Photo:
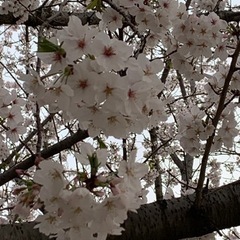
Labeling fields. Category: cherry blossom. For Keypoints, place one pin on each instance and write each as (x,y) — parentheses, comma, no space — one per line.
(83,82)
(59,94)
(15,131)
(55,57)
(112,19)
(87,151)
(147,65)
(111,53)
(14,115)
(77,39)
(50,175)
(48,223)
(132,170)
(32,83)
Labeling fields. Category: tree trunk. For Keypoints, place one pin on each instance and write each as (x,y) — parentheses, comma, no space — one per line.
(164,220)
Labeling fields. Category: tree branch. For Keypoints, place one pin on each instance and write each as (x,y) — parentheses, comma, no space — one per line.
(25,141)
(155,158)
(67,143)
(167,219)
(215,121)
(229,16)
(39,17)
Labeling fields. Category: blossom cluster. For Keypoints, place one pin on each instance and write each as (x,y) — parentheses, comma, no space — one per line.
(209,5)
(191,35)
(196,37)
(87,211)
(19,9)
(11,116)
(192,130)
(99,82)
(107,86)
(227,129)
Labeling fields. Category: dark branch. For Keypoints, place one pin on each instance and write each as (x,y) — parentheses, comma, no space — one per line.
(229,16)
(39,17)
(166,219)
(67,143)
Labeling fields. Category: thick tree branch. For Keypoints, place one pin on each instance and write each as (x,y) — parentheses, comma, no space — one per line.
(67,143)
(164,220)
(177,161)
(39,17)
(229,16)
(176,218)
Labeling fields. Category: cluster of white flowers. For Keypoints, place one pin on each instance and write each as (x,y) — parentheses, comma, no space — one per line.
(98,80)
(209,5)
(11,116)
(19,8)
(103,85)
(77,212)
(214,173)
(92,89)
(196,37)
(190,35)
(228,131)
(192,130)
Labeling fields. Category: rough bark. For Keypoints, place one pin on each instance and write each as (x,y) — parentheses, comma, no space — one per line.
(164,220)
(44,16)
(177,218)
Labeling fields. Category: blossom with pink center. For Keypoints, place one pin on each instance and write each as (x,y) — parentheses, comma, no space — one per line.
(132,171)
(59,95)
(111,53)
(15,131)
(112,19)
(50,176)
(56,58)
(76,39)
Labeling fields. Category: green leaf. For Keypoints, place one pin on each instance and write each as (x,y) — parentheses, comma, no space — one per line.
(101,143)
(93,160)
(91,57)
(68,70)
(95,4)
(28,183)
(45,45)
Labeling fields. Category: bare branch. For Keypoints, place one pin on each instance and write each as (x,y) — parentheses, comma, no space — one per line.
(67,143)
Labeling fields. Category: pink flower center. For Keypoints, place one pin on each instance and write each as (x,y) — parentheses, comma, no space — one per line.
(83,84)
(131,94)
(108,52)
(81,44)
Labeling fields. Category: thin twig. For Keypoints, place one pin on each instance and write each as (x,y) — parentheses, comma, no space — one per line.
(157,149)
